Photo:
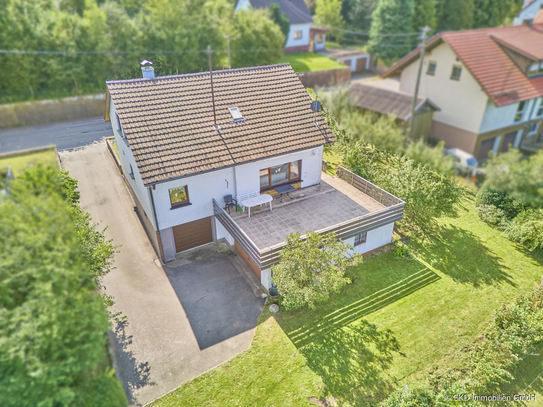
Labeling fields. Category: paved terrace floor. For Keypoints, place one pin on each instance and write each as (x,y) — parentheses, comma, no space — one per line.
(333,201)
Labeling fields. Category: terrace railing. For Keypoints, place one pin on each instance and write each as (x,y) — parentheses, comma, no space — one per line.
(269,256)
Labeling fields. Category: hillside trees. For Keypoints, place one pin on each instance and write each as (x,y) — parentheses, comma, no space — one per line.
(392,29)
(280,19)
(328,14)
(454,14)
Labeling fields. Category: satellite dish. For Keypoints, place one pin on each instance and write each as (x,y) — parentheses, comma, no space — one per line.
(145,62)
(316,106)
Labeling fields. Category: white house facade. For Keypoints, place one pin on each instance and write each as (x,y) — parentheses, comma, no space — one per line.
(189,147)
(300,37)
(488,84)
(528,12)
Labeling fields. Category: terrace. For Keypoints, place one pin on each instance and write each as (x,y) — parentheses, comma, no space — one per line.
(346,204)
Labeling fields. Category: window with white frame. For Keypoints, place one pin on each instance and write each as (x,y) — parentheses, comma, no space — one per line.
(120,128)
(520,111)
(297,35)
(533,128)
(131,171)
(540,108)
(432,65)
(456,72)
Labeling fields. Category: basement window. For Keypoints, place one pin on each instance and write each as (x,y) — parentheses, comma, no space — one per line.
(236,114)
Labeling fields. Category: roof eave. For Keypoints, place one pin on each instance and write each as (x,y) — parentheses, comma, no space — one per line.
(150,184)
(411,57)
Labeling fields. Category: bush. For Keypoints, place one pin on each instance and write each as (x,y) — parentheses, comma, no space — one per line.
(415,397)
(401,251)
(510,207)
(527,229)
(101,390)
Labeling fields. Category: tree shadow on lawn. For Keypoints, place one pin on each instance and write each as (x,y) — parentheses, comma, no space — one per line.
(351,354)
(464,257)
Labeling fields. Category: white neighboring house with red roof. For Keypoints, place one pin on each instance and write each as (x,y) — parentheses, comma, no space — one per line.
(488,84)
(528,12)
(301,33)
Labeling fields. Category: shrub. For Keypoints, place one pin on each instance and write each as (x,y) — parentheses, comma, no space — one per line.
(411,397)
(527,229)
(509,206)
(401,251)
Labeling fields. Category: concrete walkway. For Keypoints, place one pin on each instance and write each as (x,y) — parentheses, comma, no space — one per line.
(155,348)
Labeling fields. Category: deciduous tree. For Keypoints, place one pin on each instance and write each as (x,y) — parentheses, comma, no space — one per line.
(493,13)
(312,268)
(280,19)
(328,14)
(454,14)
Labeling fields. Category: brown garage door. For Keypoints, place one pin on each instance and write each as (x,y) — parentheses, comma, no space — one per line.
(239,250)
(485,148)
(508,139)
(192,234)
(361,64)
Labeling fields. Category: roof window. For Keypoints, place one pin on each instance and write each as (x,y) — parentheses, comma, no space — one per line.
(234,111)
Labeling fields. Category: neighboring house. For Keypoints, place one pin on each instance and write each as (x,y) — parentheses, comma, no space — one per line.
(184,148)
(370,96)
(529,12)
(488,84)
(301,34)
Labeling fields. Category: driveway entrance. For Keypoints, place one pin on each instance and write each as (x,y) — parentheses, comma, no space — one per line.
(166,338)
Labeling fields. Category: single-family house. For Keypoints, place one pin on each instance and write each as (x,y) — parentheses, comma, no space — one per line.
(488,84)
(369,96)
(197,149)
(529,12)
(302,37)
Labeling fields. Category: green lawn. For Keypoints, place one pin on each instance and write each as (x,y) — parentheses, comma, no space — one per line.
(271,373)
(309,61)
(397,321)
(18,162)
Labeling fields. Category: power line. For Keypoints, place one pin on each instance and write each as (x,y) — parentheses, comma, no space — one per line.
(368,34)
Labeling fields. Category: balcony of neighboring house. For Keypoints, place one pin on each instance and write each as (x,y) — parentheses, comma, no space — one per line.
(346,204)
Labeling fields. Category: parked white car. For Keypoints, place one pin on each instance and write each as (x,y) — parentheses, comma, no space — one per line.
(464,163)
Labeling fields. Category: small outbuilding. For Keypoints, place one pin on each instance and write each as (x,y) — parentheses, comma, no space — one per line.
(381,100)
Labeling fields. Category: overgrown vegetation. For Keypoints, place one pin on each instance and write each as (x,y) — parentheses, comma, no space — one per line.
(311,269)
(53,322)
(514,333)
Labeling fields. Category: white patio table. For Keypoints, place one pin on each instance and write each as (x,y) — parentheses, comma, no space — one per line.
(257,200)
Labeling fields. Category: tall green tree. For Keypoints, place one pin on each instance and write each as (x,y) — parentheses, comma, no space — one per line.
(280,19)
(255,31)
(53,323)
(328,14)
(493,13)
(454,14)
(392,17)
(357,14)
(425,14)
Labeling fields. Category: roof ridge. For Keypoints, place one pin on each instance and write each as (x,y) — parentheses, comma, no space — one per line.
(192,74)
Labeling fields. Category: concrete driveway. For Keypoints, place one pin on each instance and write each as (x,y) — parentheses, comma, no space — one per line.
(164,341)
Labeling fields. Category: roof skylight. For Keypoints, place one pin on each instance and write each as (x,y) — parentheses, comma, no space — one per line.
(234,111)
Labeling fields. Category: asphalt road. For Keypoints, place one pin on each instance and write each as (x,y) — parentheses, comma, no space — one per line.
(65,135)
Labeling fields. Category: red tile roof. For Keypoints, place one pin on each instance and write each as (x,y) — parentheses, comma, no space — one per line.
(498,75)
(168,121)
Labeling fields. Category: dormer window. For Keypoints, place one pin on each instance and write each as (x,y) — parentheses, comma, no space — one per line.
(534,68)
(236,114)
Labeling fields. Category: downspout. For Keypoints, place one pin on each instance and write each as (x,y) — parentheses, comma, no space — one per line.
(527,123)
(155,217)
